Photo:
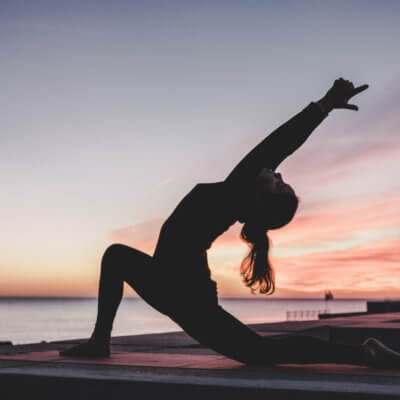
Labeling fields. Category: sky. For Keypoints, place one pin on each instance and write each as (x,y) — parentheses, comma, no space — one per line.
(110,112)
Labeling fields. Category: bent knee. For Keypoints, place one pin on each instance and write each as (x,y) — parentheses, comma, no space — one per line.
(120,252)
(114,251)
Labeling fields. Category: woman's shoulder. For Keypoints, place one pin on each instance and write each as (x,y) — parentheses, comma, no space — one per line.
(222,188)
(222,185)
(221,192)
(209,184)
(212,189)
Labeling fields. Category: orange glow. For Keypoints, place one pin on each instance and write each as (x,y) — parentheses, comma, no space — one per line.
(348,247)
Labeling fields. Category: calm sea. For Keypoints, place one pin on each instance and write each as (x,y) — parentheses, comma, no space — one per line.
(35,320)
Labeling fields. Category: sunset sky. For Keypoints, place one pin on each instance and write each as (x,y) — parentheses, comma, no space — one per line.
(110,112)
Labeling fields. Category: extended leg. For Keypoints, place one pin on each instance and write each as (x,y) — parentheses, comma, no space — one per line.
(219,330)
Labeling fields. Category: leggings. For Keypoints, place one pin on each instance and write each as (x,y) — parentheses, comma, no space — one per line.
(206,322)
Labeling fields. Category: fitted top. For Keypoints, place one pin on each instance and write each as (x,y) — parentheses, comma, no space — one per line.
(204,213)
(209,209)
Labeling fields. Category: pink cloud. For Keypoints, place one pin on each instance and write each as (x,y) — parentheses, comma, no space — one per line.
(341,220)
(373,269)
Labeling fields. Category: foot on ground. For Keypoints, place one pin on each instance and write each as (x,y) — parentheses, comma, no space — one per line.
(381,356)
(88,349)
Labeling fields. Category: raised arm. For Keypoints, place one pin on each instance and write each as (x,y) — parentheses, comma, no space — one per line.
(279,144)
(291,135)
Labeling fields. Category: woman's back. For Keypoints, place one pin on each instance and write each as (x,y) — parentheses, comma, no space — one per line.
(204,213)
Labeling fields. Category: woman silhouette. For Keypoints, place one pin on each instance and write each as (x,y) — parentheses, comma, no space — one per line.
(176,280)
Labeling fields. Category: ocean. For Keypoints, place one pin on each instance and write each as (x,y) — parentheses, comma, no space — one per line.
(32,320)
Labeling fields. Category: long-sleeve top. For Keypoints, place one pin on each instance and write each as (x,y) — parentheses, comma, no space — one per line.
(209,209)
(278,145)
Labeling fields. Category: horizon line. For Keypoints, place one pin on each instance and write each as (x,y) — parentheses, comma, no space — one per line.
(221,297)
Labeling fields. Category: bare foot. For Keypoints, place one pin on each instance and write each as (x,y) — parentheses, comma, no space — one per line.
(88,349)
(381,356)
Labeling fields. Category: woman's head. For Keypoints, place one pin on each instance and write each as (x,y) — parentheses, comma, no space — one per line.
(270,204)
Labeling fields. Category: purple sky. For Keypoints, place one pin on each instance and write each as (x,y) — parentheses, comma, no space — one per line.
(112,111)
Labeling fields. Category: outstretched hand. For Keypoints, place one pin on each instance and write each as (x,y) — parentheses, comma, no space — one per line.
(339,95)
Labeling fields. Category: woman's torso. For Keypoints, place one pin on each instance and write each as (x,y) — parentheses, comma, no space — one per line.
(204,213)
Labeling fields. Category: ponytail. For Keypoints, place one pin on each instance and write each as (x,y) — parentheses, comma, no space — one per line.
(256,270)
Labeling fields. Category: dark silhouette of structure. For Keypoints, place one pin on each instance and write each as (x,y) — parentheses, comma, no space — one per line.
(328,295)
(176,279)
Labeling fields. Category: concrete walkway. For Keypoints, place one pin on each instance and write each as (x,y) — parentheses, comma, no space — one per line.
(173,365)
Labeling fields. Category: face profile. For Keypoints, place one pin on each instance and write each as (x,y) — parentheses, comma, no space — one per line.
(271,182)
(272,203)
